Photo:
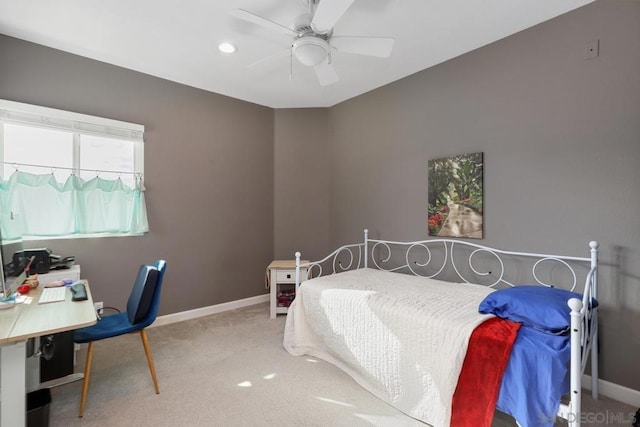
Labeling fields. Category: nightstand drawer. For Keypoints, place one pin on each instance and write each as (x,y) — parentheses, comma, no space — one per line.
(286,276)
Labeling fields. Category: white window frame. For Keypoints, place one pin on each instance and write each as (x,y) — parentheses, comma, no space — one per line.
(79,124)
(12,112)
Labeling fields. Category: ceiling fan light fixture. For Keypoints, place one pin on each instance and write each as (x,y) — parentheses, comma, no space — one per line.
(310,50)
(226,47)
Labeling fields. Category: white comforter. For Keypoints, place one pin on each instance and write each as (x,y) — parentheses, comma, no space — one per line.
(403,338)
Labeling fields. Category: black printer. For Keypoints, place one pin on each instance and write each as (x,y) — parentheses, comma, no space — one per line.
(42,260)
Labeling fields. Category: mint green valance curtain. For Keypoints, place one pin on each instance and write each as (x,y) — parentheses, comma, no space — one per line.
(39,206)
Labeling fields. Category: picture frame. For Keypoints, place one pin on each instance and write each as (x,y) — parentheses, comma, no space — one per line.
(456,196)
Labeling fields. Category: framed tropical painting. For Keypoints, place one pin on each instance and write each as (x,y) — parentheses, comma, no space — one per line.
(455,200)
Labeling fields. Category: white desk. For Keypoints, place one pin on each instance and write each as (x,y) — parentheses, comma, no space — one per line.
(25,321)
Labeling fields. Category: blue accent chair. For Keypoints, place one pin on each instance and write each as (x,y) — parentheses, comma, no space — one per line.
(142,309)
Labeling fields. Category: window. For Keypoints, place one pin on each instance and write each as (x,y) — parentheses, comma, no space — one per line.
(90,168)
(26,145)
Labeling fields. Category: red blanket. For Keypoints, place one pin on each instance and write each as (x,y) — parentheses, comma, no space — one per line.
(474,400)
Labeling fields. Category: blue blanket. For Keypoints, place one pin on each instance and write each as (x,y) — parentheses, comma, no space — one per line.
(537,373)
(536,377)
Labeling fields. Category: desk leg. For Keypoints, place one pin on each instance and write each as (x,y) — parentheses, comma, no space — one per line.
(13,385)
(32,369)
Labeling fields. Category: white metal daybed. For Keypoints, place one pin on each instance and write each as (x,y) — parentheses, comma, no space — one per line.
(378,311)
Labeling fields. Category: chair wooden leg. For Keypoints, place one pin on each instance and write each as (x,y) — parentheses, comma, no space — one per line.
(147,350)
(85,382)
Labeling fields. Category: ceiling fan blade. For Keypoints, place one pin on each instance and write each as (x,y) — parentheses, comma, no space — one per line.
(326,73)
(271,60)
(369,46)
(327,13)
(247,16)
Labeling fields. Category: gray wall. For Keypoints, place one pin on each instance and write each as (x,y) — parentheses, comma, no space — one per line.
(209,177)
(561,143)
(301,183)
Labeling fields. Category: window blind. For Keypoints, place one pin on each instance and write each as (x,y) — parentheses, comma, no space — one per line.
(33,115)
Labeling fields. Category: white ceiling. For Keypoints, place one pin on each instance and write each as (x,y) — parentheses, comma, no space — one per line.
(177,40)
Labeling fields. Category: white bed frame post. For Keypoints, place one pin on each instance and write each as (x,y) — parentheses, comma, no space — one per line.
(581,318)
(573,415)
(298,254)
(366,247)
(594,323)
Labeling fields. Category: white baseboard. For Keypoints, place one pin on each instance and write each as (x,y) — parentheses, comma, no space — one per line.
(167,319)
(614,391)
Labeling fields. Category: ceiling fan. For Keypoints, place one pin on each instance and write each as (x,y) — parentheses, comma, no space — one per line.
(313,38)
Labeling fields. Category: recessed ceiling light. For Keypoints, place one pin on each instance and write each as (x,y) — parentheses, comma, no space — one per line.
(226,47)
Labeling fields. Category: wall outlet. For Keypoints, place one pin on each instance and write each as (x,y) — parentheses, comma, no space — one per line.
(98,306)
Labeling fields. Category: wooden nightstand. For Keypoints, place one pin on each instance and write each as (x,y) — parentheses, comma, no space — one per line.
(282,282)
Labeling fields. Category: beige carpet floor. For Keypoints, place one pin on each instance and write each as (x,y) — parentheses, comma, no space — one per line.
(230,369)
